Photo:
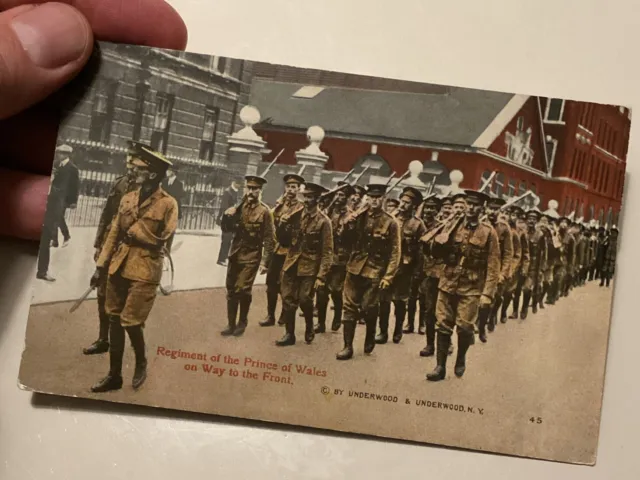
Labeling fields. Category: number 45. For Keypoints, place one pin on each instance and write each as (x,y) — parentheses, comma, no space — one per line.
(535,420)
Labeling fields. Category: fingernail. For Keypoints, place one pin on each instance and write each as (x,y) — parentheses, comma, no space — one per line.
(52,34)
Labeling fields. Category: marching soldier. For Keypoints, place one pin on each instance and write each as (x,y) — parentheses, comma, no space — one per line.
(430,275)
(537,258)
(610,254)
(581,255)
(564,273)
(251,249)
(286,205)
(520,264)
(600,252)
(132,259)
(411,230)
(471,253)
(356,199)
(446,208)
(492,209)
(371,268)
(123,185)
(593,251)
(391,206)
(553,245)
(341,252)
(307,263)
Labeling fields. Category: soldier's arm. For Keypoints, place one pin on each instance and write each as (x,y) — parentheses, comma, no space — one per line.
(106,217)
(327,250)
(493,265)
(517,253)
(394,257)
(268,238)
(141,233)
(525,255)
(507,254)
(110,243)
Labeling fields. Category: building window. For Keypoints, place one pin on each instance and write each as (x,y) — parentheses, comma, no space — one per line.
(581,210)
(499,184)
(208,142)
(512,188)
(522,188)
(162,121)
(551,145)
(519,144)
(219,64)
(520,124)
(483,180)
(555,109)
(102,115)
(601,216)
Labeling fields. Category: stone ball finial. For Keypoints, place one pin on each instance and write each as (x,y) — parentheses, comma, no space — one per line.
(315,135)
(553,204)
(249,115)
(415,168)
(456,177)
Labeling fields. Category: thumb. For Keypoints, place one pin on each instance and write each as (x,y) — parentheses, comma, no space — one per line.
(41,48)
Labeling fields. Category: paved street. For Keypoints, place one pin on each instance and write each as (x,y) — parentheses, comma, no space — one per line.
(194,256)
(537,382)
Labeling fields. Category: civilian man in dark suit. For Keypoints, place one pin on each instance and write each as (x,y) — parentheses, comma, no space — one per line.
(230,198)
(174,188)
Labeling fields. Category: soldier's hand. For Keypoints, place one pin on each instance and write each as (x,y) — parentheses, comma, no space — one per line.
(230,211)
(43,47)
(319,284)
(384,285)
(485,301)
(95,279)
(263,270)
(96,254)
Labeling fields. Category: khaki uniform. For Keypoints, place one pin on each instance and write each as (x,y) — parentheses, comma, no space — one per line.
(471,269)
(564,268)
(430,270)
(375,257)
(283,241)
(505,240)
(308,259)
(133,254)
(537,259)
(516,261)
(252,245)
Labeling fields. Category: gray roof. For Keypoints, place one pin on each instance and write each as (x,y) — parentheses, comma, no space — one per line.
(457,117)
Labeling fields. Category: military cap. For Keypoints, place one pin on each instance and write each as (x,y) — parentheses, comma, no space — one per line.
(413,193)
(376,189)
(460,196)
(293,178)
(393,201)
(534,212)
(433,200)
(360,190)
(346,187)
(64,148)
(446,200)
(255,181)
(314,189)
(495,201)
(476,196)
(145,156)
(517,210)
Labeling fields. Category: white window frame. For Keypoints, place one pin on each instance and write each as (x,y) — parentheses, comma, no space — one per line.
(552,160)
(546,112)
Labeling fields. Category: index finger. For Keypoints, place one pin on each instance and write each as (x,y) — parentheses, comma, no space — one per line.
(152,23)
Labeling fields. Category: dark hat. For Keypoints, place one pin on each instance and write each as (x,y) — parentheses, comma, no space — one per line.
(147,156)
(134,147)
(433,200)
(347,188)
(376,189)
(495,201)
(517,210)
(534,212)
(413,193)
(476,196)
(393,201)
(64,148)
(255,181)
(360,190)
(314,188)
(446,199)
(293,178)
(458,196)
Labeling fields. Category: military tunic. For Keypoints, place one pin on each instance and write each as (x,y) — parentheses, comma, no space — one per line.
(282,209)
(537,256)
(375,257)
(411,230)
(471,269)
(252,245)
(516,261)
(308,259)
(341,250)
(133,254)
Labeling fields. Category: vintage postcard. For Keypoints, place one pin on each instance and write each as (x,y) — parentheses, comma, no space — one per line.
(369,255)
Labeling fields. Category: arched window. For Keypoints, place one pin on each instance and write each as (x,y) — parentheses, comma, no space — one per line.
(512,187)
(498,185)
(610,217)
(522,188)
(601,217)
(592,213)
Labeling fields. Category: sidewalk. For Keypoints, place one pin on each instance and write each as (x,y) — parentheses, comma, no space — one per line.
(194,254)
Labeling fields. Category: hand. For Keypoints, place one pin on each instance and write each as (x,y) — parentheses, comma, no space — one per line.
(319,284)
(485,301)
(95,279)
(384,285)
(263,270)
(230,211)
(96,254)
(42,48)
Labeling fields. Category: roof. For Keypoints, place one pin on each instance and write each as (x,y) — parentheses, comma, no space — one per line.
(458,116)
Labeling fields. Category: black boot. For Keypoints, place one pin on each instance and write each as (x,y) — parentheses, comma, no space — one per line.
(289,337)
(337,311)
(281,319)
(370,332)
(429,349)
(322,301)
(516,307)
(421,318)
(544,293)
(465,340)
(385,311)
(245,303)
(411,315)
(505,307)
(101,345)
(272,301)
(440,372)
(348,331)
(309,334)
(483,316)
(400,310)
(525,305)
(232,313)
(535,296)
(137,342)
(113,380)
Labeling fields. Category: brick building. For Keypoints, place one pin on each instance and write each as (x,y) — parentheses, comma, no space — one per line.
(185,105)
(571,152)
